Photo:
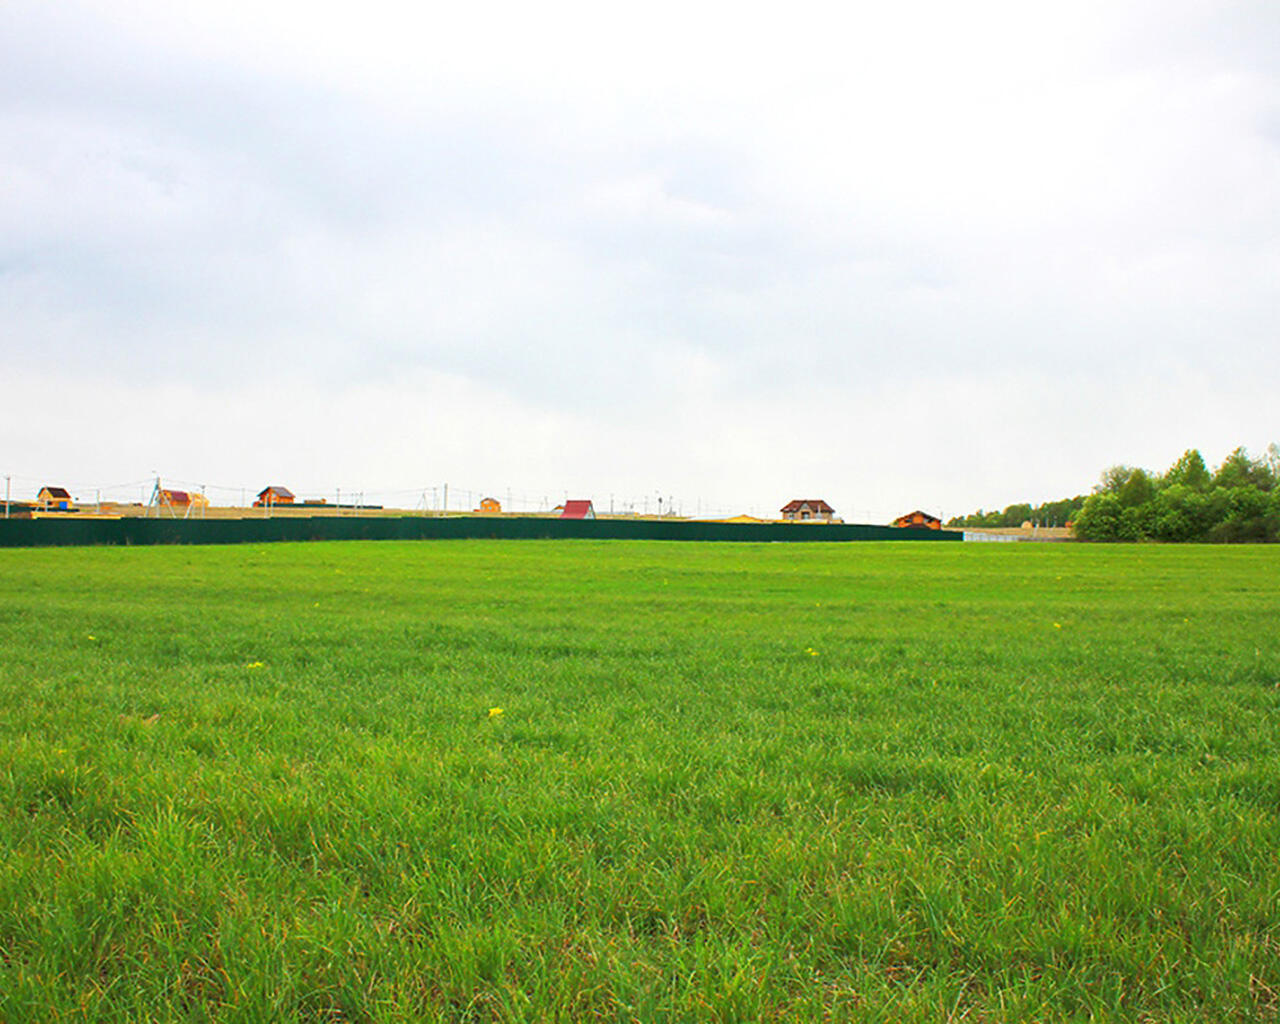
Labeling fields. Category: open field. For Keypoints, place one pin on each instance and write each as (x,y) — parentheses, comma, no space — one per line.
(901,782)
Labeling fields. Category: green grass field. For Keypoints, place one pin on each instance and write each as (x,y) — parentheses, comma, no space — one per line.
(899,782)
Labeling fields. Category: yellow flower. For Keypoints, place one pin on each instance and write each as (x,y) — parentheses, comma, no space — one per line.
(255,664)
(495,712)
(1057,625)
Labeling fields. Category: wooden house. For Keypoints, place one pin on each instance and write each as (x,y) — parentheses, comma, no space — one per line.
(274,495)
(808,509)
(54,499)
(919,521)
(578,510)
(490,507)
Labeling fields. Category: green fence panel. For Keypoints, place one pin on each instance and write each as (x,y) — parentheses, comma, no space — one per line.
(73,531)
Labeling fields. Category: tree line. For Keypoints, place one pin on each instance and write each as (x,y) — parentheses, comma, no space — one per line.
(1239,501)
(1051,513)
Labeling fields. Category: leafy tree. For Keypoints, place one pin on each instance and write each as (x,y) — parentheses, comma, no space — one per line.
(1137,490)
(1238,470)
(1016,515)
(1188,471)
(1100,519)
(1113,479)
(1272,461)
(1179,514)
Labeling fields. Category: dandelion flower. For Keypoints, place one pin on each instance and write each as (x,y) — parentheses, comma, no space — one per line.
(256,664)
(495,712)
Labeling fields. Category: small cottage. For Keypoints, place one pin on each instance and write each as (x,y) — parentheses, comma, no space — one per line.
(274,495)
(174,499)
(807,509)
(578,510)
(490,507)
(53,498)
(918,520)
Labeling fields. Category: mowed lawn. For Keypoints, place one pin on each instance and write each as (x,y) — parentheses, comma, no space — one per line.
(900,782)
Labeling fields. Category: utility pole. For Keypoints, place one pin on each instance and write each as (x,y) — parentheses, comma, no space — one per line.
(446,499)
(6,495)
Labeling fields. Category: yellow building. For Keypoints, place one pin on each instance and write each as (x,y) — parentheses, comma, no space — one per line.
(54,499)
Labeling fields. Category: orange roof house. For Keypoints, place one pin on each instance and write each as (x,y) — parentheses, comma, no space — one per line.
(805,509)
(578,510)
(919,521)
(490,507)
(274,495)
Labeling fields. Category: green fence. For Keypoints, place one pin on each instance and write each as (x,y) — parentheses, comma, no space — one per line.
(72,531)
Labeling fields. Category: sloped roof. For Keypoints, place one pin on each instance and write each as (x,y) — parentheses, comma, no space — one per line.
(277,490)
(817,504)
(55,492)
(577,510)
(916,518)
(918,512)
(175,497)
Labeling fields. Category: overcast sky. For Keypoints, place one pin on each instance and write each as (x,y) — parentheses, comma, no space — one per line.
(907,255)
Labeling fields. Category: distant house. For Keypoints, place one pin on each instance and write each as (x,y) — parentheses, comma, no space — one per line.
(803,509)
(274,495)
(918,520)
(490,507)
(53,498)
(174,499)
(578,510)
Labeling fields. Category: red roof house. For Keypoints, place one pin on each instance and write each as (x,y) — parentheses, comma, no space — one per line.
(801,509)
(578,510)
(174,499)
